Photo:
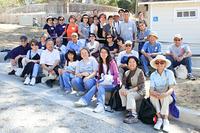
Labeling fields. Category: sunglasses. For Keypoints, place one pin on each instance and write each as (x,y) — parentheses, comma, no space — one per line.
(109,37)
(160,62)
(61,19)
(177,40)
(128,45)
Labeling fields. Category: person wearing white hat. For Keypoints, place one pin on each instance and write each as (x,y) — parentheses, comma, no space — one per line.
(149,51)
(180,53)
(49,28)
(162,82)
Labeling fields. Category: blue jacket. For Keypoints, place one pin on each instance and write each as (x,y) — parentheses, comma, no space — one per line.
(174,111)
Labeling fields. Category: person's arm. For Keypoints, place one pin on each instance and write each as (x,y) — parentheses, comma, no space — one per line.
(141,84)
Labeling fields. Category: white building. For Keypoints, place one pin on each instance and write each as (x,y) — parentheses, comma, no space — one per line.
(170,17)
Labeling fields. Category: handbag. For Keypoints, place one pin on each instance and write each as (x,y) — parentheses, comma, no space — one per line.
(181,72)
(147,113)
(106,79)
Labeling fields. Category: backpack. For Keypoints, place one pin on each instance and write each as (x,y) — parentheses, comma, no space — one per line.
(147,113)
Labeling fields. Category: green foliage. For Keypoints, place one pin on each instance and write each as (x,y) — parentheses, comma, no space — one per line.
(127,4)
(106,2)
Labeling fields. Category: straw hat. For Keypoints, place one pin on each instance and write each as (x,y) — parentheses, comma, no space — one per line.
(153,34)
(160,57)
(178,36)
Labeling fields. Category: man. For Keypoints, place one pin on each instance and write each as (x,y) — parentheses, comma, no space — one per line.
(121,14)
(49,60)
(128,28)
(123,57)
(149,51)
(180,53)
(17,54)
(116,23)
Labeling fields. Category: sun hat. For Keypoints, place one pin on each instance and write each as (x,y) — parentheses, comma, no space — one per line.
(153,34)
(178,36)
(74,34)
(128,42)
(49,17)
(160,57)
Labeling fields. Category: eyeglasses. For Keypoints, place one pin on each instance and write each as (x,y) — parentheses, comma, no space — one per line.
(109,37)
(160,62)
(61,19)
(177,40)
(128,45)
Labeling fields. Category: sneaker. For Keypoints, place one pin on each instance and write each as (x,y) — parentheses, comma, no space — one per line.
(158,124)
(27,81)
(80,93)
(109,109)
(68,91)
(129,113)
(33,80)
(99,108)
(166,125)
(191,77)
(131,119)
(49,83)
(11,72)
(80,103)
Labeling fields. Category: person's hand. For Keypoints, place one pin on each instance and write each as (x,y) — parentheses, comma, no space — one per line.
(180,59)
(78,75)
(51,72)
(85,74)
(163,95)
(85,79)
(123,65)
(124,92)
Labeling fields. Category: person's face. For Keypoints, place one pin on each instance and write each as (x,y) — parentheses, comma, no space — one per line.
(110,21)
(72,20)
(95,12)
(126,16)
(61,21)
(102,18)
(43,39)
(49,45)
(70,56)
(103,54)
(78,18)
(132,64)
(96,20)
(50,21)
(128,47)
(84,54)
(121,13)
(177,41)
(116,18)
(141,16)
(34,47)
(74,39)
(161,64)
(58,42)
(92,38)
(152,39)
(142,27)
(109,38)
(85,19)
(23,42)
(91,20)
(55,21)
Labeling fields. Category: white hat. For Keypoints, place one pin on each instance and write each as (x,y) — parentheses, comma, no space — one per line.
(128,42)
(74,34)
(160,57)
(178,36)
(153,34)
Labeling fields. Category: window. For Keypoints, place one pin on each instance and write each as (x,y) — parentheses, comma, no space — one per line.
(186,13)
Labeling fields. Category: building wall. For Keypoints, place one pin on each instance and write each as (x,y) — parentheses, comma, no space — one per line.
(162,19)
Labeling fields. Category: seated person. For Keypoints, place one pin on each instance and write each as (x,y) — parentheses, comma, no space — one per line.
(120,43)
(17,54)
(85,73)
(32,60)
(149,51)
(107,66)
(161,92)
(180,53)
(93,45)
(133,89)
(111,45)
(123,58)
(42,43)
(66,74)
(49,60)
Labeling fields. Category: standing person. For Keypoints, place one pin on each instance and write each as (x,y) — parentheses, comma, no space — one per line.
(116,23)
(101,24)
(85,73)
(110,28)
(32,60)
(84,29)
(60,27)
(107,66)
(128,28)
(49,28)
(17,54)
(93,27)
(93,45)
(50,59)
(133,89)
(149,51)
(161,92)
(70,28)
(121,14)
(142,35)
(140,19)
(180,53)
(55,21)
(123,58)
(66,74)
(111,45)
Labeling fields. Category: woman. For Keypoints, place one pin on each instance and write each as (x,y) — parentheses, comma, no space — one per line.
(107,66)
(100,25)
(93,45)
(60,28)
(109,28)
(93,27)
(85,73)
(162,82)
(120,43)
(111,45)
(66,74)
(84,29)
(133,89)
(32,67)
(50,28)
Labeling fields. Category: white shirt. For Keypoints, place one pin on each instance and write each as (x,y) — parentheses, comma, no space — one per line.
(48,57)
(123,53)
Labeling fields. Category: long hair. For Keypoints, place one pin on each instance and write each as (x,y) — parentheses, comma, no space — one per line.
(108,59)
(70,52)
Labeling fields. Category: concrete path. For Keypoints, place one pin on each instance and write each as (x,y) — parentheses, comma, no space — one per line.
(39,109)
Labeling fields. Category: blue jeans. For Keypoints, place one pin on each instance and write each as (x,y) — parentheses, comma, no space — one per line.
(35,70)
(145,63)
(100,93)
(65,81)
(186,61)
(79,85)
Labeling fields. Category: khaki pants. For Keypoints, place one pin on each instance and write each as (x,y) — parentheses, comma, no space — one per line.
(161,107)
(129,100)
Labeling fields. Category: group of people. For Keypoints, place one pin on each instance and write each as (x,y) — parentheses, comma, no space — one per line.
(92,56)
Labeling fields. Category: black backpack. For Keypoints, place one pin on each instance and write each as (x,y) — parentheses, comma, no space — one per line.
(147,113)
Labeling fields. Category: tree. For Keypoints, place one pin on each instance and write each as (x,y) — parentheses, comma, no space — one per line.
(127,4)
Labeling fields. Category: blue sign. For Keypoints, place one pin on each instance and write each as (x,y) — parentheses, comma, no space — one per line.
(155,19)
